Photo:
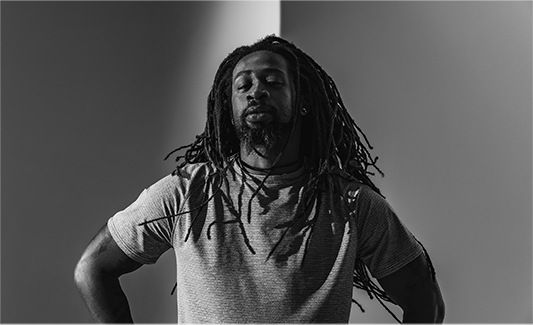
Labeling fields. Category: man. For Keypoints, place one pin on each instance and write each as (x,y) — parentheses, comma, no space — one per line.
(271,213)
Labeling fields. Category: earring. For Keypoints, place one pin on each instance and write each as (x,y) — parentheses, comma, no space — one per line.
(304,111)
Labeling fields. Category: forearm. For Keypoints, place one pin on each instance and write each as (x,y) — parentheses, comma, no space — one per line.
(104,297)
(429,311)
(429,316)
(416,291)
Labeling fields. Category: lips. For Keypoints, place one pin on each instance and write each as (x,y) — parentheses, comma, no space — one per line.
(258,117)
(258,114)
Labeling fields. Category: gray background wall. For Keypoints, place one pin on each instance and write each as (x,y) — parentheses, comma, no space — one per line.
(94,94)
(443,91)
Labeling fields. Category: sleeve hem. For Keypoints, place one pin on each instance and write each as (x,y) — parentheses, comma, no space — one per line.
(124,247)
(388,271)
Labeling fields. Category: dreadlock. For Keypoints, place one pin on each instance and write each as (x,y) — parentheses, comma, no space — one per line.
(336,140)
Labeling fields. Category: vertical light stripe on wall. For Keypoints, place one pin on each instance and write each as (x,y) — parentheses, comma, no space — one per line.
(94,94)
(222,27)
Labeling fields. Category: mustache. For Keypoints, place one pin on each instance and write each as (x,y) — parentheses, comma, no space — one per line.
(255,108)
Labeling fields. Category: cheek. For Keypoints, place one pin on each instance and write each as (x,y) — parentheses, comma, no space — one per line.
(287,107)
(237,100)
(236,108)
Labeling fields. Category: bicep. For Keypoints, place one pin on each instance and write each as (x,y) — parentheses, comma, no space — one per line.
(415,290)
(103,254)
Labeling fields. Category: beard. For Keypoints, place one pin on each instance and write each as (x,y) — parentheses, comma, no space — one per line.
(263,137)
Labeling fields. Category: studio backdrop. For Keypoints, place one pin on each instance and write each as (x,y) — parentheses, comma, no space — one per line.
(95,94)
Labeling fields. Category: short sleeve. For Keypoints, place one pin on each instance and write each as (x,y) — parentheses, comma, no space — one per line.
(144,229)
(384,243)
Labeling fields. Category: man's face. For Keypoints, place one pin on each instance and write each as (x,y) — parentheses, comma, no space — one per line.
(262,98)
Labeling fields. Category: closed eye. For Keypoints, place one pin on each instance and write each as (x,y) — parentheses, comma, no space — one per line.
(274,82)
(243,86)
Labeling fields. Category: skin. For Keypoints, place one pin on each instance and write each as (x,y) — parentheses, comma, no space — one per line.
(264,79)
(96,277)
(413,289)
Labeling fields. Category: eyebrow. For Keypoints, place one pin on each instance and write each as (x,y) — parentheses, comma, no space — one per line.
(267,70)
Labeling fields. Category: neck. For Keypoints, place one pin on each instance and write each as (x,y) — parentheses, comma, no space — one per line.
(275,169)
(258,162)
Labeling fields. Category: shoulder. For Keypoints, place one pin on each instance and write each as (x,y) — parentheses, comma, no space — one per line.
(351,187)
(364,204)
(180,181)
(196,170)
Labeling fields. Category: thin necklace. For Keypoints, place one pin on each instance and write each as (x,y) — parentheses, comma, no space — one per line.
(269,169)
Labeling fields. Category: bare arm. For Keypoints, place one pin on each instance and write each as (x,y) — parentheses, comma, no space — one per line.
(414,290)
(96,276)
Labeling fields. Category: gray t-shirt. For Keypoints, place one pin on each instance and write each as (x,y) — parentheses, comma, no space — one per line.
(242,261)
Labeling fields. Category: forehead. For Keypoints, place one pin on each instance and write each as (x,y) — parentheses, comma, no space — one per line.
(261,60)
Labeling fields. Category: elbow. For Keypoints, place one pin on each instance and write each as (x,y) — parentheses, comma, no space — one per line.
(80,274)
(437,309)
(438,303)
(84,272)
(440,311)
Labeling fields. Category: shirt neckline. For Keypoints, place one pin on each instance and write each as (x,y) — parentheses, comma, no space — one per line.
(273,178)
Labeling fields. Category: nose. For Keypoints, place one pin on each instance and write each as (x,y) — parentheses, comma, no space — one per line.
(258,91)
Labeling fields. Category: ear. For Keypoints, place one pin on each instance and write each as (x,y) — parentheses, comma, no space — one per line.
(304,110)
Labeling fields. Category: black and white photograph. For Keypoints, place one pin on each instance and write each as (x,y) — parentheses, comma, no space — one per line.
(266,162)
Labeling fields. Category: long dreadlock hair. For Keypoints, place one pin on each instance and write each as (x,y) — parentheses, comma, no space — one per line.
(336,140)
